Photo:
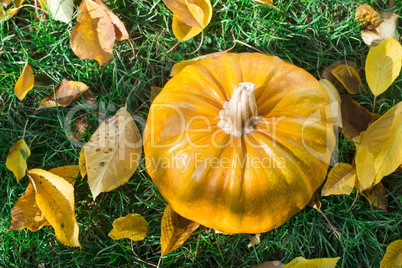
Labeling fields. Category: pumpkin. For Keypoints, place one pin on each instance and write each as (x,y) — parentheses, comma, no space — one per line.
(240,142)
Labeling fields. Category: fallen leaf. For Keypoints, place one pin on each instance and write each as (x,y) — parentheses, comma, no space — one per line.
(97,29)
(55,198)
(154,92)
(349,78)
(301,262)
(26,213)
(81,127)
(265,2)
(175,230)
(69,173)
(112,154)
(383,65)
(43,79)
(89,97)
(341,180)
(254,240)
(393,255)
(66,92)
(377,197)
(181,9)
(82,164)
(25,82)
(315,201)
(269,264)
(367,16)
(17,159)
(327,74)
(383,141)
(355,118)
(5,3)
(335,102)
(61,10)
(132,226)
(387,28)
(9,13)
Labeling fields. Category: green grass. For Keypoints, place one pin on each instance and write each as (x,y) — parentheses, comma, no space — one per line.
(312,35)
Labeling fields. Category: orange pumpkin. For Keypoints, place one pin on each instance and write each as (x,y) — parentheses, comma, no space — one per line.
(240,142)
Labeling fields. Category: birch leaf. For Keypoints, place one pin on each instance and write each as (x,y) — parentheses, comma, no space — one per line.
(25,82)
(112,154)
(365,169)
(62,10)
(17,159)
(393,255)
(383,65)
(349,78)
(301,262)
(341,180)
(55,198)
(132,226)
(175,230)
(66,92)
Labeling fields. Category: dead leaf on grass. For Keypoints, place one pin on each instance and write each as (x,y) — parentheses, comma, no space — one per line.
(132,226)
(387,28)
(377,197)
(66,92)
(349,78)
(25,82)
(367,17)
(341,180)
(17,159)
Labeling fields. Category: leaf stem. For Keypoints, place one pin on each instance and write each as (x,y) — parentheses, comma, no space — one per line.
(375,98)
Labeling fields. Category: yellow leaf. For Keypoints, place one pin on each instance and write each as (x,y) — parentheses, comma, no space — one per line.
(175,230)
(26,213)
(25,83)
(66,92)
(8,14)
(154,92)
(55,198)
(17,159)
(5,3)
(269,264)
(341,180)
(112,154)
(349,78)
(377,197)
(383,65)
(386,28)
(82,164)
(315,201)
(393,255)
(265,2)
(132,226)
(335,101)
(301,262)
(69,173)
(181,10)
(383,142)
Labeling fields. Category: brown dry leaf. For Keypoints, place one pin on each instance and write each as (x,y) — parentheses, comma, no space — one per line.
(112,154)
(367,16)
(393,255)
(17,159)
(81,127)
(175,230)
(327,74)
(301,262)
(154,92)
(377,197)
(335,101)
(5,3)
(315,201)
(132,226)
(66,92)
(25,83)
(355,118)
(265,2)
(254,240)
(386,29)
(269,264)
(341,180)
(89,97)
(26,213)
(97,29)
(349,78)
(55,198)
(69,173)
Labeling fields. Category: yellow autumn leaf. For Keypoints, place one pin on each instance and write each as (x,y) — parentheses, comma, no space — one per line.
(69,173)
(349,78)
(26,213)
(181,10)
(66,92)
(82,164)
(269,264)
(383,65)
(25,82)
(377,197)
(380,152)
(55,198)
(335,101)
(265,2)
(17,159)
(154,92)
(97,29)
(341,180)
(393,255)
(175,230)
(132,226)
(112,154)
(301,262)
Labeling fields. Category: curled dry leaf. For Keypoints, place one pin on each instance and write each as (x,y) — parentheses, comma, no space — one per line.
(62,10)
(377,197)
(132,226)
(367,16)
(383,65)
(393,255)
(341,180)
(380,152)
(387,28)
(327,74)
(81,126)
(175,230)
(315,201)
(254,240)
(97,29)
(349,78)
(335,101)
(66,92)
(17,159)
(112,154)
(55,198)
(25,82)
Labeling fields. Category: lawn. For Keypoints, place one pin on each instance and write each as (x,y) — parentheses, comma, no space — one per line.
(311,34)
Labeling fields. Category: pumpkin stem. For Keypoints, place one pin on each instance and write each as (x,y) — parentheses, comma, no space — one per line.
(239,116)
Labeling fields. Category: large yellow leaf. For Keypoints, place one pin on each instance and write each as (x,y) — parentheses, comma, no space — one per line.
(55,198)
(382,141)
(69,173)
(383,65)
(112,154)
(301,262)
(66,92)
(132,226)
(175,230)
(25,82)
(349,78)
(341,180)
(17,159)
(26,213)
(393,255)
